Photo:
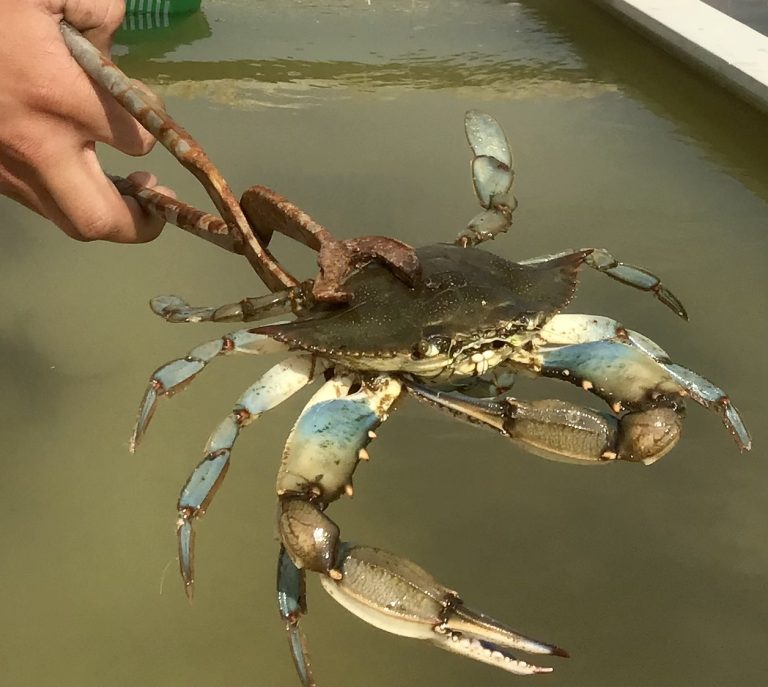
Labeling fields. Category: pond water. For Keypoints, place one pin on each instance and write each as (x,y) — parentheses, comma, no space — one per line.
(354,111)
(753,13)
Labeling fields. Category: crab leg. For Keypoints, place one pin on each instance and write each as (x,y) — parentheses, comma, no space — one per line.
(566,432)
(572,330)
(321,454)
(627,377)
(492,177)
(385,590)
(292,601)
(174,376)
(175,309)
(275,386)
(396,595)
(330,436)
(637,277)
(322,451)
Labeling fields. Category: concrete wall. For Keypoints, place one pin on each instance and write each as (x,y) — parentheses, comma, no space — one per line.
(730,51)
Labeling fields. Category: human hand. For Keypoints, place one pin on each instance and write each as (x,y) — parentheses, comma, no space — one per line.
(51,116)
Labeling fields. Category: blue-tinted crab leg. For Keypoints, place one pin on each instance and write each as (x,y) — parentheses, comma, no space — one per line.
(175,375)
(492,177)
(291,599)
(629,378)
(713,397)
(637,277)
(485,226)
(331,435)
(323,450)
(275,386)
(572,328)
(563,431)
(383,589)
(577,329)
(175,309)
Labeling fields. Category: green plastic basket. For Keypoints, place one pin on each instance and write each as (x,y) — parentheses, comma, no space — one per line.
(160,9)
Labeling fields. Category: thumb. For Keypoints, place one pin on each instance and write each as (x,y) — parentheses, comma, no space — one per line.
(96,19)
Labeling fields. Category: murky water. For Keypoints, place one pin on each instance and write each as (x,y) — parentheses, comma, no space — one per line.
(649,576)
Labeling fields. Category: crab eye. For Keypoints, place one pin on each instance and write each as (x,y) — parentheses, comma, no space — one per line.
(430,347)
(426,349)
(527,321)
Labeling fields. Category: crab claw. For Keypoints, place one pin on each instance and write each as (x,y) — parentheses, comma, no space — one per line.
(398,596)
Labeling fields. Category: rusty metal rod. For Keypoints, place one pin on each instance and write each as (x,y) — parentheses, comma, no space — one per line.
(147,109)
(180,214)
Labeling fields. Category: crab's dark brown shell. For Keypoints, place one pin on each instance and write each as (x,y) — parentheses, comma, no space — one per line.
(464,293)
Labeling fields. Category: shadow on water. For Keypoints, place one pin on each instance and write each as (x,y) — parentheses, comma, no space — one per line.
(729,130)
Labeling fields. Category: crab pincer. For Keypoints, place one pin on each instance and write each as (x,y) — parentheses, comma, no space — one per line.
(396,595)
(386,590)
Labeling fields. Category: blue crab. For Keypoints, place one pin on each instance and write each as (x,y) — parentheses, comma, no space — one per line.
(450,325)
(472,321)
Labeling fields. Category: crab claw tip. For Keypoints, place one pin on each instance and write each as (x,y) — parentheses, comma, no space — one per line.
(538,670)
(133,443)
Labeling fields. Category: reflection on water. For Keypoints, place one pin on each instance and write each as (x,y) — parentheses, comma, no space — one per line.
(439,45)
(148,40)
(647,575)
(732,134)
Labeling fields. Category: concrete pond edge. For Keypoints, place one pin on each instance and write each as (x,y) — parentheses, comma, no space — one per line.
(724,48)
